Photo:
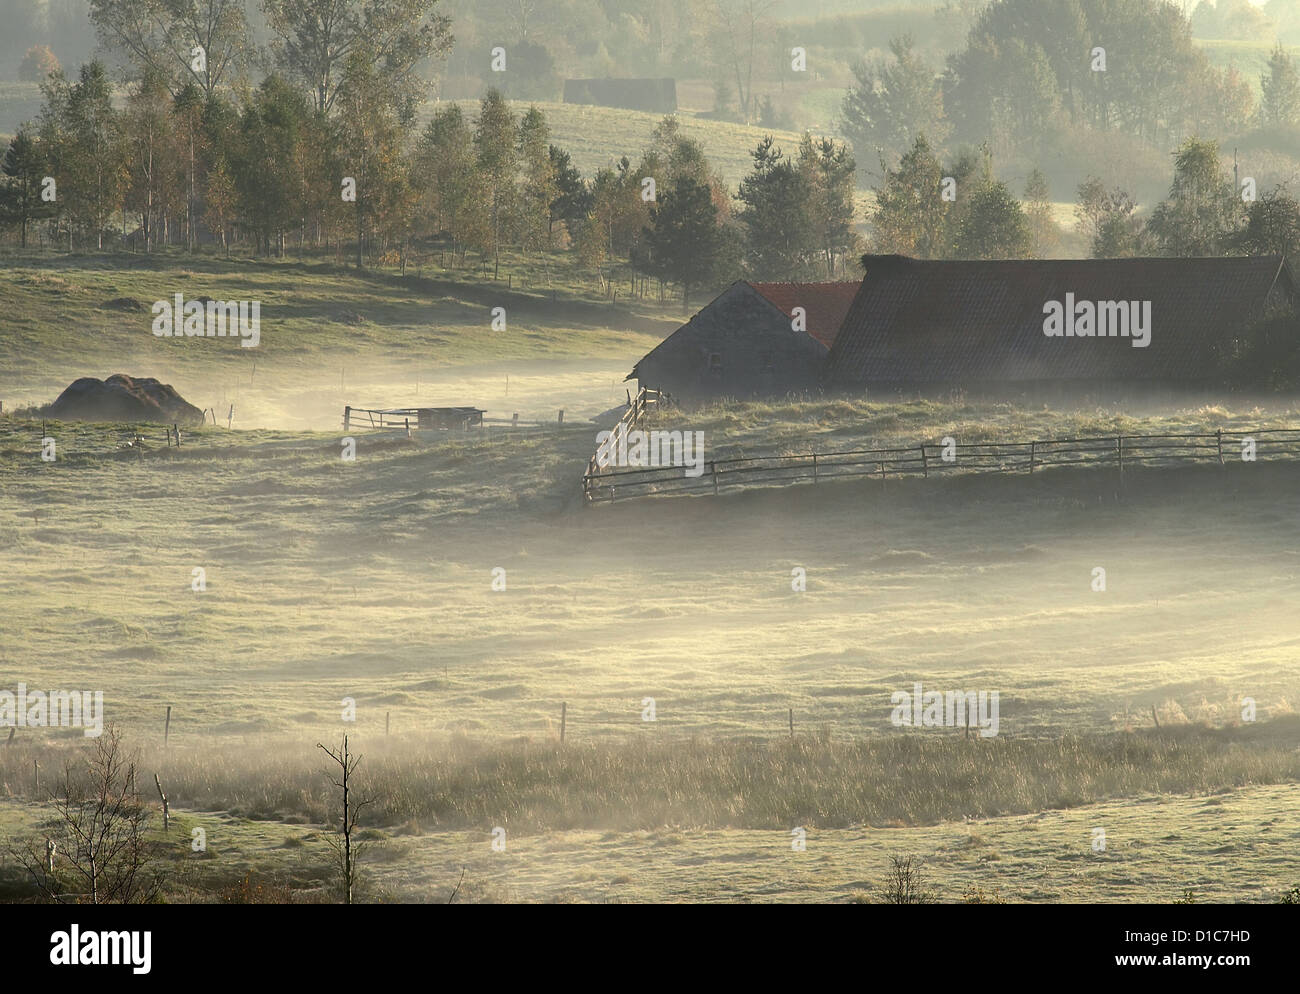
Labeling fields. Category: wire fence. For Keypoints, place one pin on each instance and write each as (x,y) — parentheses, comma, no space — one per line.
(1119,452)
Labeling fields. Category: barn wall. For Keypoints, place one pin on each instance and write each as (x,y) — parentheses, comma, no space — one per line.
(758,354)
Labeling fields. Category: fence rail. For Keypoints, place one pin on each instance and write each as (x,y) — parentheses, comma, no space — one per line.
(433,418)
(641,405)
(927,459)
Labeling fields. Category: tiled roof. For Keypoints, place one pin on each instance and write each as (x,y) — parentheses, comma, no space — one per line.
(932,321)
(825,304)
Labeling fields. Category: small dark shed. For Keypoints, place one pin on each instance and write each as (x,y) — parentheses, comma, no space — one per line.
(446,418)
(753,340)
(656,95)
(986,327)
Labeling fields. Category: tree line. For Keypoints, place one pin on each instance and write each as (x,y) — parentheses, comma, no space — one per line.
(282,168)
(1073,83)
(931,210)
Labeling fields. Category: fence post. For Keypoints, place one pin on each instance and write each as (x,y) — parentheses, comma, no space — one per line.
(561,417)
(1218,436)
(1119,454)
(792,723)
(167,815)
(167,728)
(814,467)
(564,719)
(1032,449)
(713,466)
(925,466)
(514,422)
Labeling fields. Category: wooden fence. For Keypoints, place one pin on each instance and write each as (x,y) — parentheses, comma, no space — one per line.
(641,405)
(432,418)
(1118,452)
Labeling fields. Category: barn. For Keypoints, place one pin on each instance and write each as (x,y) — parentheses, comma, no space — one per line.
(753,340)
(1118,328)
(654,95)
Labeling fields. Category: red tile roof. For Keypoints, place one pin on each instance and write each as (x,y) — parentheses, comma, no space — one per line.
(825,304)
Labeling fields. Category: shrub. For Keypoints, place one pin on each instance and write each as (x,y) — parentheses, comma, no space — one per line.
(37,64)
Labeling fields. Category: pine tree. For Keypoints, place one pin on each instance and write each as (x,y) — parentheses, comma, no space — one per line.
(1272,225)
(778,216)
(994,227)
(684,242)
(572,199)
(893,104)
(20,197)
(828,169)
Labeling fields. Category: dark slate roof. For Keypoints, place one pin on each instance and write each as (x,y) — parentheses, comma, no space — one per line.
(932,321)
(825,304)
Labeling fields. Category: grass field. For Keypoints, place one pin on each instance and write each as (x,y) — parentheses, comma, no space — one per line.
(328,338)
(372,581)
(596,137)
(1250,58)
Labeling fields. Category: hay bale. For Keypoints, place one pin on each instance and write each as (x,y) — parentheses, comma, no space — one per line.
(123,398)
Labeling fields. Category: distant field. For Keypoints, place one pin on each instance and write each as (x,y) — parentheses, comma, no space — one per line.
(329,338)
(19,102)
(594,136)
(1250,58)
(597,136)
